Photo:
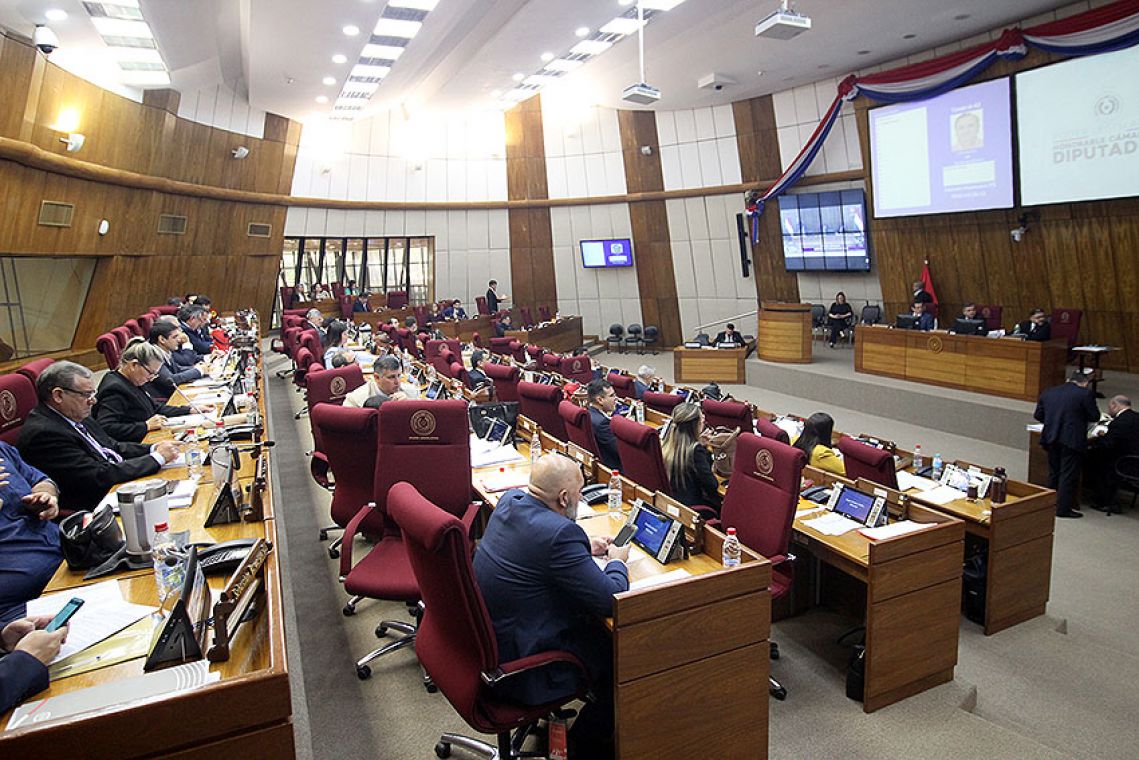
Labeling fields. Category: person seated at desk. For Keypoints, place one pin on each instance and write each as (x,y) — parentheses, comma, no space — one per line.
(454,310)
(25,652)
(923,320)
(815,442)
(191,319)
(688,461)
(167,337)
(1036,327)
(60,439)
(476,377)
(350,288)
(321,293)
(839,317)
(361,304)
(543,591)
(30,550)
(969,311)
(501,326)
(1119,438)
(384,386)
(337,343)
(728,335)
(602,403)
(298,296)
(411,324)
(645,380)
(123,408)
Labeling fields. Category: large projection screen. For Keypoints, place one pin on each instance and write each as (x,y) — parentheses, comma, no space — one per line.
(1078,129)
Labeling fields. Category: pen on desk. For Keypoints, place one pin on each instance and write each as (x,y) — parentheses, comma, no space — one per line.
(81,663)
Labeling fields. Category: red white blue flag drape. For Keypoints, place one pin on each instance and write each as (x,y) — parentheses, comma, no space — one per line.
(1110,27)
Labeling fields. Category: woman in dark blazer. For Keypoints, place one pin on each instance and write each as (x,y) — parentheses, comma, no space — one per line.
(688,461)
(124,410)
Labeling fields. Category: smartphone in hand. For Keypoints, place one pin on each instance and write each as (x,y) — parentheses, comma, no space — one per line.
(64,615)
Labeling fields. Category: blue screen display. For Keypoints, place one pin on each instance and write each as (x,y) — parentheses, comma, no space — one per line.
(854,504)
(651,530)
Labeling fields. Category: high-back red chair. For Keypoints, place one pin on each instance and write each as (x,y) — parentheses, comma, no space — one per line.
(992,316)
(134,328)
(345,303)
(578,369)
(735,415)
(476,339)
(165,309)
(330,386)
(481,305)
(534,354)
(551,362)
(458,372)
(622,384)
(108,345)
(527,317)
(518,351)
(310,339)
(455,642)
(662,402)
(397,299)
(17,398)
(145,322)
(540,403)
(760,504)
(544,312)
(32,369)
(435,350)
(305,362)
(122,336)
(337,289)
(405,339)
(641,459)
(579,426)
(348,438)
(1066,325)
(864,461)
(505,379)
(769,429)
(500,345)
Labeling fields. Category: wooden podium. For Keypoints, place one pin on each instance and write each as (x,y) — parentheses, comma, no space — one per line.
(785,333)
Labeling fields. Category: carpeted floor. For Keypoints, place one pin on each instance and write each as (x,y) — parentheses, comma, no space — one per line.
(1063,685)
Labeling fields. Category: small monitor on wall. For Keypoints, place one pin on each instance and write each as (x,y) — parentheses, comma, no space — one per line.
(603,254)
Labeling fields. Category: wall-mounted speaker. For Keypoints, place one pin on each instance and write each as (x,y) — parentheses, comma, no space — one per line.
(56,214)
(171,224)
(741,231)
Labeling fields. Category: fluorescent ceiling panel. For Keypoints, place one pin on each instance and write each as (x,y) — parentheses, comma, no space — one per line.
(622,26)
(389,27)
(419,5)
(146,78)
(563,64)
(386,52)
(135,55)
(362,70)
(591,47)
(114,27)
(660,5)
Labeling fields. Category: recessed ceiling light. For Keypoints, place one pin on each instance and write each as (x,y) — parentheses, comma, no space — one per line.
(340,58)
(390,27)
(321,98)
(55,14)
(591,47)
(563,64)
(759,73)
(582,31)
(328,81)
(351,30)
(621,25)
(547,57)
(518,76)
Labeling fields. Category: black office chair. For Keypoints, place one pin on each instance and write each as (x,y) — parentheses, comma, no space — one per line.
(818,320)
(1127,472)
(616,336)
(634,338)
(871,315)
(652,337)
(703,339)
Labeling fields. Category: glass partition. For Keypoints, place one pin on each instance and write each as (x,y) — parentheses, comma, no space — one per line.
(42,300)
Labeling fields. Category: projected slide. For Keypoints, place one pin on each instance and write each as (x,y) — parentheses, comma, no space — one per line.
(1078,127)
(949,153)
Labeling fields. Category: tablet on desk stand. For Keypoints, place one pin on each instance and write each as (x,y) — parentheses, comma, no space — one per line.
(864,508)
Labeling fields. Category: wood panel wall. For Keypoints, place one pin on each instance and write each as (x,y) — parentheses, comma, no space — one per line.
(757,141)
(656,278)
(136,267)
(1075,255)
(532,280)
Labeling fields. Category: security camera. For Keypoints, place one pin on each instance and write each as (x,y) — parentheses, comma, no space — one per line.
(240,152)
(45,39)
(719,87)
(646,150)
(1017,233)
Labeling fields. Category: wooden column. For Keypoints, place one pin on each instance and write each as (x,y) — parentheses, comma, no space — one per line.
(531,238)
(656,279)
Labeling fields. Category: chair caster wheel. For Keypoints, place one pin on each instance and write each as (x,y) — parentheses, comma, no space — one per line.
(442,749)
(349,610)
(780,693)
(381,631)
(363,672)
(324,535)
(334,554)
(431,687)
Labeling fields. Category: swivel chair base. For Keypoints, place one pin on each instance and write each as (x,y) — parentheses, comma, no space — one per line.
(509,746)
(363,670)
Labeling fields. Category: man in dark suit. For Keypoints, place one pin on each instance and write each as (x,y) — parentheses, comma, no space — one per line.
(476,377)
(502,326)
(1035,327)
(59,439)
(1066,411)
(921,295)
(191,318)
(728,335)
(644,380)
(361,304)
(924,318)
(492,297)
(1119,438)
(25,652)
(168,336)
(602,402)
(543,591)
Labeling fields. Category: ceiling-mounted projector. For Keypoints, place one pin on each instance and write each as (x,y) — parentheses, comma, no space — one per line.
(641,94)
(783,24)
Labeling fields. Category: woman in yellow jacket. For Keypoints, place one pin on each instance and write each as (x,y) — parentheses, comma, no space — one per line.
(815,442)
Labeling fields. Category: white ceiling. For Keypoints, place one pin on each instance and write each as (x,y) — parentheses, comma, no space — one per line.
(275,52)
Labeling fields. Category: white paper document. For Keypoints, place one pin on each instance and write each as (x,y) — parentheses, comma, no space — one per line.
(941,495)
(907,480)
(179,461)
(653,580)
(832,524)
(189,420)
(103,614)
(180,498)
(900,528)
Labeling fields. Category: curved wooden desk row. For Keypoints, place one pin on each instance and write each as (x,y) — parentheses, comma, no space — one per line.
(246,713)
(559,336)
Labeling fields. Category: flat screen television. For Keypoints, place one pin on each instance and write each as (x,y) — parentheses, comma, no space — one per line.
(825,232)
(605,254)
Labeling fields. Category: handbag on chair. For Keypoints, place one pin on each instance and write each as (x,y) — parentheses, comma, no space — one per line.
(722,442)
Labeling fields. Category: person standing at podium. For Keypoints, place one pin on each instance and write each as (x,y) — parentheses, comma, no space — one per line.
(1066,411)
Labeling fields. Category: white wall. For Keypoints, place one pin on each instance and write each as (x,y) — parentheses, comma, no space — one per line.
(600,296)
(698,147)
(222,108)
(583,152)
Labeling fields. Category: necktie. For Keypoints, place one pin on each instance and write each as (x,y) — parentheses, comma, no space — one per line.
(110,455)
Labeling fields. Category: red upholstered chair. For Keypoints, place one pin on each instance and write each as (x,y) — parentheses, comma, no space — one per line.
(304,361)
(135,329)
(760,504)
(286,294)
(17,398)
(544,312)
(662,402)
(337,290)
(345,307)
(348,438)
(476,340)
(481,305)
(540,403)
(1066,325)
(397,299)
(294,313)
(518,351)
(328,386)
(455,641)
(108,345)
(551,362)
(579,426)
(505,379)
(404,339)
(145,322)
(426,444)
(641,444)
(991,315)
(863,461)
(458,372)
(622,384)
(310,339)
(578,369)
(434,351)
(164,309)
(122,336)
(527,317)
(501,345)
(32,369)
(769,429)
(728,414)
(534,355)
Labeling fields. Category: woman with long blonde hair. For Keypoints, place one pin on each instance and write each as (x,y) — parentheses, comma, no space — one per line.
(687,459)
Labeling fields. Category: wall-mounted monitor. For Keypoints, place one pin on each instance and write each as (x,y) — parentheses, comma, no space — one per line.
(602,254)
(1078,129)
(825,232)
(949,153)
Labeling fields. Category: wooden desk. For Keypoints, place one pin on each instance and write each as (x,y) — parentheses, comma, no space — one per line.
(785,333)
(700,365)
(463,329)
(377,318)
(559,336)
(1000,366)
(329,307)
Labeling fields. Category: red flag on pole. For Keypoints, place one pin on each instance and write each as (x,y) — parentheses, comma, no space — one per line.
(927,282)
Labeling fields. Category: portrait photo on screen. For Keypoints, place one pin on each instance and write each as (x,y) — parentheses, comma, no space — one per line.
(948,153)
(1078,129)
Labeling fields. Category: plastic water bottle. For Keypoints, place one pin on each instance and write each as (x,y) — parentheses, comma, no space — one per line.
(250,384)
(535,448)
(169,571)
(918,461)
(193,454)
(731,553)
(640,411)
(937,466)
(615,494)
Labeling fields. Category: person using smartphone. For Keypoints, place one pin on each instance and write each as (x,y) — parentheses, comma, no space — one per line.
(30,550)
(27,651)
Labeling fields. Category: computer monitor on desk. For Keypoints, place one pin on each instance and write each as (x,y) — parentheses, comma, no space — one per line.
(906,322)
(969,326)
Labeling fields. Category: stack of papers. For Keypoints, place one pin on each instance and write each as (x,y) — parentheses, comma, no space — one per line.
(180,498)
(489,456)
(678,574)
(189,420)
(103,614)
(504,481)
(832,524)
(907,481)
(894,529)
(941,495)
